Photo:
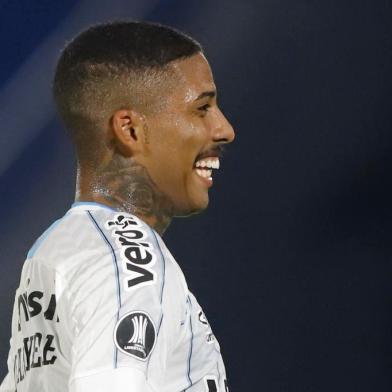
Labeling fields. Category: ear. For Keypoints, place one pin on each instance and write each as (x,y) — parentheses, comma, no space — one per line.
(129,131)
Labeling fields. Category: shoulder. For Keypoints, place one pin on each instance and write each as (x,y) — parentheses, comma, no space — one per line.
(92,244)
(64,239)
(100,242)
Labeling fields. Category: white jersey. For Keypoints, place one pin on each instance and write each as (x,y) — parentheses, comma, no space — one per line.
(100,291)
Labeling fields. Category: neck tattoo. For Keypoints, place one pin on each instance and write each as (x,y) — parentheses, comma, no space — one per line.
(127,186)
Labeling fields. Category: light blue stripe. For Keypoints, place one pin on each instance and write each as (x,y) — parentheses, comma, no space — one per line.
(92,203)
(163,263)
(219,375)
(39,241)
(191,345)
(116,271)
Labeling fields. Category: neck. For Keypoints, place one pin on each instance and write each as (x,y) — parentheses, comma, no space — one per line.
(125,185)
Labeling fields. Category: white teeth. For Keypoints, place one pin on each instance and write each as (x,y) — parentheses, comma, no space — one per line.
(211,163)
(204,173)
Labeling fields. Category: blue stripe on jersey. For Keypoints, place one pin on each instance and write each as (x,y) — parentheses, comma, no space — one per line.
(191,345)
(39,241)
(116,271)
(163,262)
(92,203)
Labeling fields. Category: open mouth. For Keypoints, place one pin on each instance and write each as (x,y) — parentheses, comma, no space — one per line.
(205,166)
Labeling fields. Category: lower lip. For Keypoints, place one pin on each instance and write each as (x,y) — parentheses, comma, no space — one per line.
(207,181)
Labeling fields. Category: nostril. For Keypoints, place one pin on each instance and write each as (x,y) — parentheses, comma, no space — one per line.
(224,139)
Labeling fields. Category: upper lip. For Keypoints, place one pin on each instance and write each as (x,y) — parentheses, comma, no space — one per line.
(212,152)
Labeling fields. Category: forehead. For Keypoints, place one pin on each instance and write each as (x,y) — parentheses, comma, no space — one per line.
(193,76)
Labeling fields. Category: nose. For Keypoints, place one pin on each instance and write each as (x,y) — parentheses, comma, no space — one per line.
(222,132)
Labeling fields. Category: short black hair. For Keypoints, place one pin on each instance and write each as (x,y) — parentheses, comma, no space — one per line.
(100,59)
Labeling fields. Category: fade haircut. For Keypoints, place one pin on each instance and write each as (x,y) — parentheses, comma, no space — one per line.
(114,66)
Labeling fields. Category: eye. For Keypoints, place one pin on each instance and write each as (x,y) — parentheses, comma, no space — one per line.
(203,109)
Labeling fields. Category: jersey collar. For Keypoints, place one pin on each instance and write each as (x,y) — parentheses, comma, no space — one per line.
(90,205)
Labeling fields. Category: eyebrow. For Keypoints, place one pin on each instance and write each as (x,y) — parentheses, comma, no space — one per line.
(210,94)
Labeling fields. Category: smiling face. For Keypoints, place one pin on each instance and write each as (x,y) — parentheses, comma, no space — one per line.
(184,140)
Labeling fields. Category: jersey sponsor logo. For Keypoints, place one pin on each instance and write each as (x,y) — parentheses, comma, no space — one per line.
(203,318)
(39,349)
(210,338)
(138,256)
(134,335)
(31,305)
(211,384)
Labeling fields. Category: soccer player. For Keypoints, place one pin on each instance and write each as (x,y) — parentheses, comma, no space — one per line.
(102,304)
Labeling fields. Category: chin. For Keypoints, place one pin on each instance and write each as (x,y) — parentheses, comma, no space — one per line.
(193,208)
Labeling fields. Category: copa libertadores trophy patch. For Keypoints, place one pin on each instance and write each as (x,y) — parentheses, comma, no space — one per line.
(134,335)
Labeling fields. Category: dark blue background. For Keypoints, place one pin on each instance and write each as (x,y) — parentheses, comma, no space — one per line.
(292,262)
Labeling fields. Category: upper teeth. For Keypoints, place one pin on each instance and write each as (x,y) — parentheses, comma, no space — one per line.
(210,163)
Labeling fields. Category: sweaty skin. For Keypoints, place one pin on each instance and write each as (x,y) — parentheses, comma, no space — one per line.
(148,166)
(127,186)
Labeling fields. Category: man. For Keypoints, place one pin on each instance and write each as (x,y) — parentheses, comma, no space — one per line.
(102,305)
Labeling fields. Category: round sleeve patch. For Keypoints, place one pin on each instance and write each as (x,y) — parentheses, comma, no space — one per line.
(134,335)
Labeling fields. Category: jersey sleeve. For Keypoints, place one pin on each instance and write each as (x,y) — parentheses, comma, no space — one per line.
(8,384)
(115,296)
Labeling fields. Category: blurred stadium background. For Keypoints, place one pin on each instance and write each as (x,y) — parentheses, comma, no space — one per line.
(293,260)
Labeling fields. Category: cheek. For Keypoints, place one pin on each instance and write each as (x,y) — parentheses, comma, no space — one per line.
(178,139)
(174,147)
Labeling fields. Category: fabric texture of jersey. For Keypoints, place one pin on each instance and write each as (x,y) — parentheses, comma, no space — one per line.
(99,291)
